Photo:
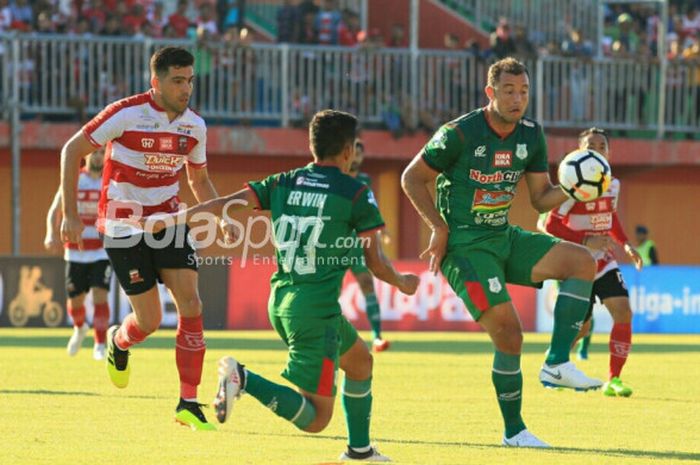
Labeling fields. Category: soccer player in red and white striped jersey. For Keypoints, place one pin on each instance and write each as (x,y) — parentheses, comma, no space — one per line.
(149,137)
(87,270)
(596,225)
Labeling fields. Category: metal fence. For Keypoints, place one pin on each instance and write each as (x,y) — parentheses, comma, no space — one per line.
(546,20)
(70,77)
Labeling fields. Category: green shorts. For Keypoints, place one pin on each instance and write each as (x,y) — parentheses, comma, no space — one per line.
(315,346)
(478,271)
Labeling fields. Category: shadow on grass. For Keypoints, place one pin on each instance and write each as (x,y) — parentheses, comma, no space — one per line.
(47,392)
(437,346)
(631,453)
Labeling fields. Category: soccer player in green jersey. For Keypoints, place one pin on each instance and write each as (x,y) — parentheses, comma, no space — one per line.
(315,209)
(359,267)
(477,161)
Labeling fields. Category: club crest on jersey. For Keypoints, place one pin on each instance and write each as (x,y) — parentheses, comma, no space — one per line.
(495,285)
(503,159)
(182,145)
(480,151)
(521,151)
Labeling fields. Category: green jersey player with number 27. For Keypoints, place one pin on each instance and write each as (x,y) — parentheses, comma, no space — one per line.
(314,210)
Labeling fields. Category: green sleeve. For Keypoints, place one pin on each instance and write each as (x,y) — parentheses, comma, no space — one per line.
(263,190)
(365,214)
(443,150)
(539,163)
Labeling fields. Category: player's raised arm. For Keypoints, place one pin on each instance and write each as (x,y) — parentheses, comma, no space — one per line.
(77,148)
(381,267)
(544,196)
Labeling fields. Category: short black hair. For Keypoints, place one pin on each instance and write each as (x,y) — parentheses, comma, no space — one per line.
(330,131)
(594,130)
(164,58)
(507,65)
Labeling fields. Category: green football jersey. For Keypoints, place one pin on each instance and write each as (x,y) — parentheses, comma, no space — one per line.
(316,211)
(479,171)
(364,179)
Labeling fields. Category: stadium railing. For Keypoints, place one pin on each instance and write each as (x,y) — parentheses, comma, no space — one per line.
(546,20)
(71,77)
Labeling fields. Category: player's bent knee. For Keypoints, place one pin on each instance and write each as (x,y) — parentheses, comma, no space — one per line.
(585,266)
(320,422)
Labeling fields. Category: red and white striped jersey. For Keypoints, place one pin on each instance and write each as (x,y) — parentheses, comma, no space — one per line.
(574,221)
(88,198)
(144,154)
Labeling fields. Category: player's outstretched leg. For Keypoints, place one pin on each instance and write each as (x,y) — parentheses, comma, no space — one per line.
(569,311)
(80,328)
(235,380)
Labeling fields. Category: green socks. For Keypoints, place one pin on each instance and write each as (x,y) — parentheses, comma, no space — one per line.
(357,405)
(373,315)
(282,400)
(508,381)
(569,311)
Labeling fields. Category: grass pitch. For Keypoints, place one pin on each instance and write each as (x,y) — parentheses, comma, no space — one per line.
(433,404)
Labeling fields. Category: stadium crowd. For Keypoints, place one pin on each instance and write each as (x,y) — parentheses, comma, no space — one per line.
(218,27)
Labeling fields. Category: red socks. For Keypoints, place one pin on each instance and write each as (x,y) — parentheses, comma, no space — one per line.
(78,315)
(129,333)
(620,344)
(100,321)
(189,354)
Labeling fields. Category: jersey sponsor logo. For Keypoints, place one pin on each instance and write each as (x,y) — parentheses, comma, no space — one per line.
(495,285)
(480,151)
(521,151)
(147,143)
(184,129)
(371,199)
(165,144)
(496,218)
(162,162)
(601,221)
(306,182)
(494,178)
(487,201)
(527,123)
(503,159)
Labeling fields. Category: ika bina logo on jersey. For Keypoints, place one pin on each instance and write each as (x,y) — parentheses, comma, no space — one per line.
(521,151)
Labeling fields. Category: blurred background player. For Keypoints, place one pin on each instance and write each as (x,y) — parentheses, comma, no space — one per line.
(314,206)
(645,246)
(358,267)
(87,267)
(476,162)
(596,225)
(150,137)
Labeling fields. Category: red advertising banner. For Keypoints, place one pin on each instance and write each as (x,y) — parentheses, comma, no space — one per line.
(434,307)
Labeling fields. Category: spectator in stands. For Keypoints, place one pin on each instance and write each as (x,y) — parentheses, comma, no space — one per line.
(307,33)
(307,6)
(579,83)
(94,12)
(230,13)
(179,22)
(327,21)
(397,37)
(44,25)
(502,43)
(5,16)
(22,14)
(625,34)
(134,21)
(207,21)
(288,22)
(349,29)
(524,49)
(156,17)
(112,26)
(691,21)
